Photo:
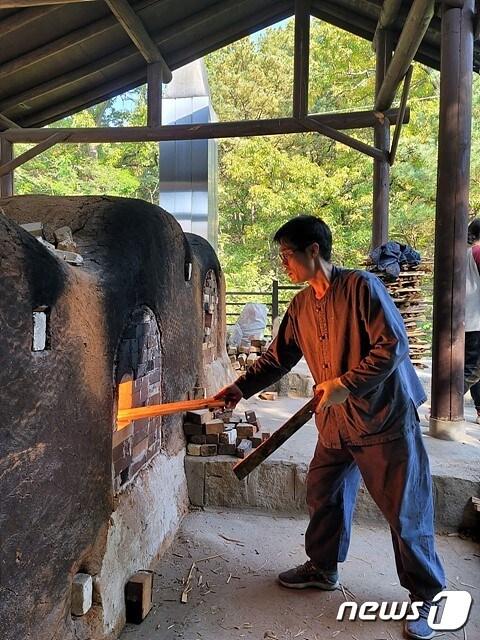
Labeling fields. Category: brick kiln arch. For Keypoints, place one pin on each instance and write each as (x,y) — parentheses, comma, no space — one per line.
(138,382)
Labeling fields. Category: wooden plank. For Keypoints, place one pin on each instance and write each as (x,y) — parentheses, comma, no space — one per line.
(264,450)
(6,181)
(17,4)
(21,19)
(312,124)
(154,94)
(381,140)
(8,124)
(403,106)
(415,27)
(168,408)
(9,166)
(274,126)
(139,35)
(301,58)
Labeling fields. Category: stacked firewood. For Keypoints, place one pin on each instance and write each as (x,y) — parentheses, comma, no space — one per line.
(244,355)
(408,294)
(222,432)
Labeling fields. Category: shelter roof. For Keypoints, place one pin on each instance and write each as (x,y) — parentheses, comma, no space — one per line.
(59,59)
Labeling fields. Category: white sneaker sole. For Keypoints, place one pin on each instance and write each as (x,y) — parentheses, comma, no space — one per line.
(306,585)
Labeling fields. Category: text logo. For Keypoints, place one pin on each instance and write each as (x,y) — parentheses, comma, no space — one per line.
(453,616)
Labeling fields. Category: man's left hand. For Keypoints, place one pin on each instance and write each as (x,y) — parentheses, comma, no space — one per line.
(332,392)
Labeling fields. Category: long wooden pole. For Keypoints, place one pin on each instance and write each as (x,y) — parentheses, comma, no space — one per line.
(168,408)
(454,143)
(415,27)
(6,181)
(381,140)
(9,166)
(301,58)
(275,126)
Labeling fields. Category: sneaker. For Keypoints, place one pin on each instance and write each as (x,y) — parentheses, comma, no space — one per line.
(420,629)
(307,575)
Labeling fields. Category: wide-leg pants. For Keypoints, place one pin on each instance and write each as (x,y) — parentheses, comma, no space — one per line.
(397,476)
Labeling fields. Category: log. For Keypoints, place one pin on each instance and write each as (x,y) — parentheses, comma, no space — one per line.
(261,453)
(168,408)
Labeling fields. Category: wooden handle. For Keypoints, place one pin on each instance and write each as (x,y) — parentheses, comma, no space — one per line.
(136,413)
(261,453)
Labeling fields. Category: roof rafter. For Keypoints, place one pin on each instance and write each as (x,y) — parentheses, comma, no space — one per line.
(17,4)
(139,35)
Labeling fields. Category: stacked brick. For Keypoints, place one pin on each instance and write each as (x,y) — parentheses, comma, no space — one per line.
(210,317)
(222,433)
(408,293)
(243,356)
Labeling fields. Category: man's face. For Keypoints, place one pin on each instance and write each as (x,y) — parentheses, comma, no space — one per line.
(298,264)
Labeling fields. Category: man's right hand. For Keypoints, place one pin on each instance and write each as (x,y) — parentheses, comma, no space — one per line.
(231,395)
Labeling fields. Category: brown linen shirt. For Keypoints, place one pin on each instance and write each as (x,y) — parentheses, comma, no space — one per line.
(356,333)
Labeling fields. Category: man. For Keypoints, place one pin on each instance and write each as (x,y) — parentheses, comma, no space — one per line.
(353,339)
(472,316)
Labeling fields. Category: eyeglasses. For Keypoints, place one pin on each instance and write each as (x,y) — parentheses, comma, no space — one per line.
(285,256)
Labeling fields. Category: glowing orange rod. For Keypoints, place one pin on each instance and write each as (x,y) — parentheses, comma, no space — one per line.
(166,409)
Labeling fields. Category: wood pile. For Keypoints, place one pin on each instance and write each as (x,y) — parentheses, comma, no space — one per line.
(222,432)
(408,295)
(243,356)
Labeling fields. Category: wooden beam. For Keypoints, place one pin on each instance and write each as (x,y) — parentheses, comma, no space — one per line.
(403,106)
(388,13)
(7,167)
(381,140)
(8,124)
(312,124)
(17,4)
(275,126)
(416,25)
(154,94)
(20,19)
(6,181)
(453,177)
(139,35)
(301,58)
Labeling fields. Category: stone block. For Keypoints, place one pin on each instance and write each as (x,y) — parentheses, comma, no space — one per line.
(208,450)
(228,437)
(198,417)
(138,596)
(194,449)
(35,228)
(256,440)
(214,426)
(212,438)
(82,593)
(251,417)
(268,395)
(244,448)
(246,430)
(190,429)
(198,439)
(225,449)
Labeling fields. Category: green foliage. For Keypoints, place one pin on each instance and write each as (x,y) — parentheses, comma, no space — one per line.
(265,181)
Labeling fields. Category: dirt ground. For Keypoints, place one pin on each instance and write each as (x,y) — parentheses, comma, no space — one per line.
(234,594)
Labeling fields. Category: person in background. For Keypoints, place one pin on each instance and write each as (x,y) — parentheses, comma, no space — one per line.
(472,316)
(354,341)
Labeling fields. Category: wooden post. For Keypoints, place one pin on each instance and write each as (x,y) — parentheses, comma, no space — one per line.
(454,141)
(381,168)
(154,94)
(301,58)
(6,181)
(274,300)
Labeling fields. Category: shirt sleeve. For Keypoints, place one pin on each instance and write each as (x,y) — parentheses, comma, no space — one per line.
(476,255)
(388,342)
(282,355)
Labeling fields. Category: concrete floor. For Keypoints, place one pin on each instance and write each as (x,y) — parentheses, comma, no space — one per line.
(234,594)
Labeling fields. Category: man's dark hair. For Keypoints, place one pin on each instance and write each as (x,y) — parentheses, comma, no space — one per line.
(302,231)
(474,230)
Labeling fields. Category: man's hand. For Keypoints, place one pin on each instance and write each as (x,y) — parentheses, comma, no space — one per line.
(332,392)
(231,395)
